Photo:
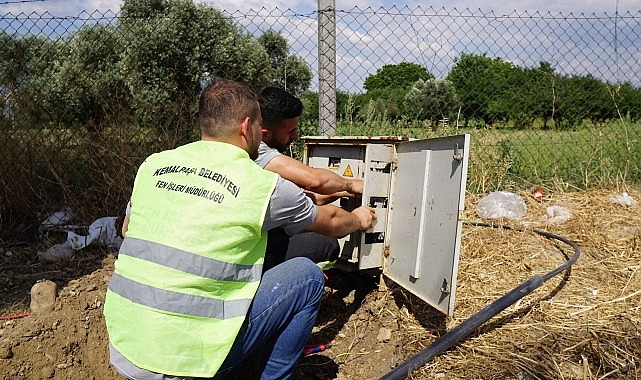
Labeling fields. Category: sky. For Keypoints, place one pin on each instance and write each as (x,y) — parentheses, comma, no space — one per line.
(366,44)
(73,7)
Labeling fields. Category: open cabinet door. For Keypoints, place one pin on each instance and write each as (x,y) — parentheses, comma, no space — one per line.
(424,230)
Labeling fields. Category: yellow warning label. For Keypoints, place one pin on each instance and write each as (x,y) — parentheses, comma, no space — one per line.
(348,172)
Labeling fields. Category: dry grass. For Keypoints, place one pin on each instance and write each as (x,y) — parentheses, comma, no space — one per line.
(585,324)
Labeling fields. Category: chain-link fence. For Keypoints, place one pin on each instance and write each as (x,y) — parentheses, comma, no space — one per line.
(550,99)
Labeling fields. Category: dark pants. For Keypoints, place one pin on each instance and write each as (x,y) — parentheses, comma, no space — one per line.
(316,247)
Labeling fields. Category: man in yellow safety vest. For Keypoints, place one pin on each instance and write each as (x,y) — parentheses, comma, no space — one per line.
(188,297)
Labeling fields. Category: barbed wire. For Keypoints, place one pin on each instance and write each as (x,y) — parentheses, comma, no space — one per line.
(21,1)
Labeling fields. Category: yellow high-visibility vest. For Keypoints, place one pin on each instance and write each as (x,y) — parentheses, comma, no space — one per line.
(191,260)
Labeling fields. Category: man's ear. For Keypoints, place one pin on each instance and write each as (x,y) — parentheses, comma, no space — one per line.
(267,134)
(245,129)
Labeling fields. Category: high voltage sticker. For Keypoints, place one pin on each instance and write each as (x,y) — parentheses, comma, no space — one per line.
(348,172)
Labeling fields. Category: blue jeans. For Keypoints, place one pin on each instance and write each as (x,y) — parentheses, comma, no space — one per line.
(281,317)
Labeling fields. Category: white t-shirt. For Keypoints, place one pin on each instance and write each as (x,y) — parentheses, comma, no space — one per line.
(265,154)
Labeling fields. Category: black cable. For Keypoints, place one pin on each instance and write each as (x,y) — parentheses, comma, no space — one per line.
(466,327)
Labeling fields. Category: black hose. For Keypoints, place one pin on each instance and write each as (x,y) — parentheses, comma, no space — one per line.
(466,327)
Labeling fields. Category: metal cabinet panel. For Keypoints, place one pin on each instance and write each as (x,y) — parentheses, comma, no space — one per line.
(427,193)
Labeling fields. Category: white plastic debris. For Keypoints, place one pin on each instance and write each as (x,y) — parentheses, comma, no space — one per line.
(56,252)
(557,214)
(102,231)
(501,204)
(624,199)
(57,219)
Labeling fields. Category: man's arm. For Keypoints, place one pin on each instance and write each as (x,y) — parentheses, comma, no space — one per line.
(336,222)
(292,210)
(125,226)
(321,181)
(323,199)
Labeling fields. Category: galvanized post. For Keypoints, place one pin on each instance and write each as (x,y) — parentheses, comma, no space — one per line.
(327,67)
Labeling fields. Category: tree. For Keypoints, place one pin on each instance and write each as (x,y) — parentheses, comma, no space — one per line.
(583,97)
(542,91)
(171,46)
(628,99)
(310,107)
(432,100)
(512,100)
(478,80)
(384,103)
(276,46)
(152,62)
(289,71)
(29,64)
(142,9)
(84,86)
(402,75)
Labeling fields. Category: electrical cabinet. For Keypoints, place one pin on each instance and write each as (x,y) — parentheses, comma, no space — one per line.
(418,190)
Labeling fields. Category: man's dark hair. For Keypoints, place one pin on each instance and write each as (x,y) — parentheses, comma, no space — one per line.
(278,104)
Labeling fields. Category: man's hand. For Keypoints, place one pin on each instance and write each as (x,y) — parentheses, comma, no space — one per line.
(366,215)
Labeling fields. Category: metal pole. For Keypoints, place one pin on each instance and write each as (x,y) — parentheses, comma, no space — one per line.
(327,67)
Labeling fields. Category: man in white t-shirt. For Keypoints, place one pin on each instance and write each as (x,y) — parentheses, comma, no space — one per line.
(280,112)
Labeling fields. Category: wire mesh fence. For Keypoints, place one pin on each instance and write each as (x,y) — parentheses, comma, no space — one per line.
(550,99)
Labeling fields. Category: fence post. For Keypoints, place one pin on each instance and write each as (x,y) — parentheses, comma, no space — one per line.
(327,67)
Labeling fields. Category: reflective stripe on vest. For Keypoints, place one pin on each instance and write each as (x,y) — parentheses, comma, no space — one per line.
(190,263)
(174,302)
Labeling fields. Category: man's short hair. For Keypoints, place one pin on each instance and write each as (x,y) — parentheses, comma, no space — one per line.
(277,105)
(223,105)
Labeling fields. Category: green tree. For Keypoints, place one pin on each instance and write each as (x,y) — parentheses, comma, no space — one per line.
(628,99)
(173,45)
(310,107)
(276,46)
(513,97)
(478,79)
(542,87)
(142,9)
(29,64)
(386,103)
(86,86)
(431,100)
(289,71)
(583,97)
(402,75)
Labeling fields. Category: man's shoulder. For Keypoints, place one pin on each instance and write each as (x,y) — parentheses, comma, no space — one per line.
(265,149)
(265,154)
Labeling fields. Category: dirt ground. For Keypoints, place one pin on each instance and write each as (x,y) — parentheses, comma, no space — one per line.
(580,324)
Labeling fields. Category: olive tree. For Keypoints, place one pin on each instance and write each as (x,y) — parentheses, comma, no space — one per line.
(387,88)
(289,71)
(171,46)
(431,100)
(86,85)
(29,65)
